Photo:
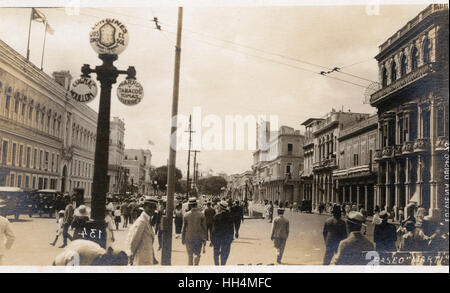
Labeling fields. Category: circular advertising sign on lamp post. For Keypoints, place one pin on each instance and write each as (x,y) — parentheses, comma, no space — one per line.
(109,36)
(130,92)
(84,89)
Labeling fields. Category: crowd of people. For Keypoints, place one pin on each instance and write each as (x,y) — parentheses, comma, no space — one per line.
(346,243)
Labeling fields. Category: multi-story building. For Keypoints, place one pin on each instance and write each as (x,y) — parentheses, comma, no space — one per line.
(116,155)
(47,139)
(137,161)
(240,186)
(355,179)
(321,148)
(277,164)
(413,112)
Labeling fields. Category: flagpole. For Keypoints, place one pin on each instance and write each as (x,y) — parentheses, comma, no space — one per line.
(43,46)
(29,33)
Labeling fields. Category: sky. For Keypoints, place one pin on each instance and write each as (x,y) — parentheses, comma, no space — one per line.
(225,67)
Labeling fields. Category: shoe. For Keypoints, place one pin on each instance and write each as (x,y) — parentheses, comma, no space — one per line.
(52,244)
(62,246)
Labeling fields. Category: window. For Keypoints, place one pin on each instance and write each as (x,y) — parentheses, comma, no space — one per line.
(414,57)
(355,160)
(30,113)
(16,103)
(4,152)
(34,183)
(384,77)
(290,147)
(426,50)
(19,180)
(34,159)
(406,129)
(40,159)
(393,72)
(20,155)
(27,181)
(46,160)
(288,168)
(28,157)
(403,66)
(23,109)
(12,180)
(53,162)
(14,154)
(441,122)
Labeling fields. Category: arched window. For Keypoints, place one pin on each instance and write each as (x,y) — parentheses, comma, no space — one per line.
(16,102)
(403,66)
(384,77)
(414,58)
(393,72)
(8,98)
(426,50)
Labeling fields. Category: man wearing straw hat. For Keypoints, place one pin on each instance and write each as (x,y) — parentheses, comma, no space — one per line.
(280,233)
(222,234)
(351,251)
(141,235)
(194,232)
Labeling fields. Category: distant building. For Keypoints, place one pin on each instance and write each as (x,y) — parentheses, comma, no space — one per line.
(413,112)
(240,186)
(321,153)
(116,155)
(277,164)
(356,176)
(47,139)
(138,163)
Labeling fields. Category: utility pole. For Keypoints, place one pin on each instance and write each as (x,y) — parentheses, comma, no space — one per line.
(166,253)
(195,167)
(188,187)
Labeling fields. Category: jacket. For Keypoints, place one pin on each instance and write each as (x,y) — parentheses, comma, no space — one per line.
(385,236)
(194,226)
(140,240)
(280,228)
(351,251)
(6,235)
(223,228)
(334,231)
(209,215)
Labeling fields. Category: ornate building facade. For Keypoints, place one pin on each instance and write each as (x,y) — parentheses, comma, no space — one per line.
(413,112)
(321,151)
(47,139)
(355,178)
(116,172)
(277,164)
(138,163)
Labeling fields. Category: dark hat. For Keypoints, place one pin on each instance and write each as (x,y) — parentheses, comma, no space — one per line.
(280,211)
(336,209)
(192,200)
(356,218)
(410,225)
(384,214)
(150,201)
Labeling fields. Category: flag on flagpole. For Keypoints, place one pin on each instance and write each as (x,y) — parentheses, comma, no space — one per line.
(49,29)
(36,15)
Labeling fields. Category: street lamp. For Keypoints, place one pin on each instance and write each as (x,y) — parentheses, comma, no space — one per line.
(109,37)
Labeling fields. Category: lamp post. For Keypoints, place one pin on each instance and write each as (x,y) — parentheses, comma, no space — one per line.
(108,38)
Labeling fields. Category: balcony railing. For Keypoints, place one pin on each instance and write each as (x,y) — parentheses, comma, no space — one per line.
(378,155)
(398,150)
(441,143)
(422,145)
(421,72)
(325,164)
(408,147)
(387,152)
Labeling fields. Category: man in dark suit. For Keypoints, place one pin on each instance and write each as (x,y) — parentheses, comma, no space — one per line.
(237,212)
(351,251)
(385,234)
(222,234)
(334,231)
(280,233)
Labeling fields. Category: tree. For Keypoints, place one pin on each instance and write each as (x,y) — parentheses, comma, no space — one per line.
(212,185)
(160,176)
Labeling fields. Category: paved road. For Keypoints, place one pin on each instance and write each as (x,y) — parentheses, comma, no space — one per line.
(304,247)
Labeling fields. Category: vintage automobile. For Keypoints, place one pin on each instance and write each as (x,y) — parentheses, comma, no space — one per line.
(13,201)
(305,206)
(46,201)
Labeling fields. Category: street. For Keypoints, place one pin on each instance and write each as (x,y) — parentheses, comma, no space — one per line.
(304,245)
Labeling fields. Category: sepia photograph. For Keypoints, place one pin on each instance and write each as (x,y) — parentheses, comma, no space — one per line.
(224,137)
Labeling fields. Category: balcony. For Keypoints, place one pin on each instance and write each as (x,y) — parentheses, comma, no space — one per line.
(398,150)
(422,145)
(408,147)
(441,144)
(325,164)
(378,155)
(402,82)
(387,152)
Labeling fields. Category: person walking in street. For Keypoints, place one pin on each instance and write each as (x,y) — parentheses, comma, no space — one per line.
(385,234)
(124,212)
(68,218)
(376,220)
(6,237)
(178,215)
(280,233)
(270,212)
(141,236)
(351,251)
(334,231)
(194,232)
(81,216)
(117,217)
(414,239)
(222,234)
(237,212)
(60,227)
(209,212)
(109,220)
